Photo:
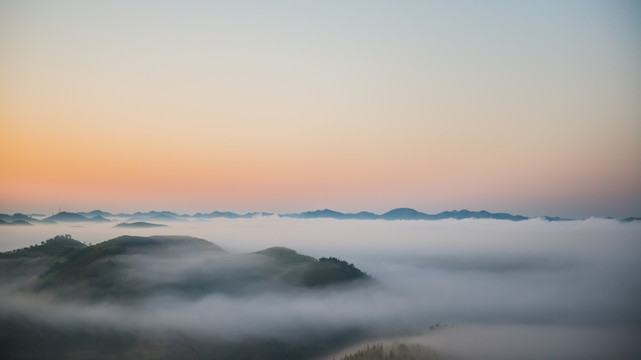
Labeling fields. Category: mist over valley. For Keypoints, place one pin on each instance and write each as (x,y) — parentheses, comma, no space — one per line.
(224,285)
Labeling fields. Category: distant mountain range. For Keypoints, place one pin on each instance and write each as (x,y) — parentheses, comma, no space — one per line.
(230,215)
(139,225)
(94,213)
(65,216)
(169,216)
(407,214)
(16,223)
(16,216)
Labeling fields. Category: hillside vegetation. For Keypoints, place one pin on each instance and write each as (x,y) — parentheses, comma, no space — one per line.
(135,267)
(397,351)
(55,247)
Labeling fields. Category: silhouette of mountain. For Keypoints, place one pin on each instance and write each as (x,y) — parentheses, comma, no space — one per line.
(328,271)
(331,214)
(94,213)
(556,218)
(286,256)
(16,223)
(631,219)
(255,214)
(326,213)
(229,215)
(62,216)
(405,214)
(363,215)
(99,218)
(122,215)
(165,216)
(139,224)
(155,213)
(395,214)
(218,214)
(16,216)
(47,221)
(65,216)
(467,214)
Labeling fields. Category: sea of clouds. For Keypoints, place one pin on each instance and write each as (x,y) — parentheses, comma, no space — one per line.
(529,289)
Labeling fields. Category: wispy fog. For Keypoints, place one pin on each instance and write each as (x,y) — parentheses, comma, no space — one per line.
(529,289)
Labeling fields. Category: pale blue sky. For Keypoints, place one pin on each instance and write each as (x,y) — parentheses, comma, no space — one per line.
(531,107)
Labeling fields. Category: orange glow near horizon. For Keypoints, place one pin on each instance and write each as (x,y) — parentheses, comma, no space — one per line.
(276,114)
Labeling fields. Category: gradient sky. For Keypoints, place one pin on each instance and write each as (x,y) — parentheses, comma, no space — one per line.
(526,107)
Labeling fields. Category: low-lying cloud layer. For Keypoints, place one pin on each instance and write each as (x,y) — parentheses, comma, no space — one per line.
(534,275)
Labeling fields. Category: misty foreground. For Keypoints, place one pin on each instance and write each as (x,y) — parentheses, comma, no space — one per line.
(526,290)
(132,273)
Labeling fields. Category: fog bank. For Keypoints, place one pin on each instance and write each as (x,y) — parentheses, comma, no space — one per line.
(530,289)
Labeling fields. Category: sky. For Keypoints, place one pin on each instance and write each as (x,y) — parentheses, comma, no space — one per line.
(526,107)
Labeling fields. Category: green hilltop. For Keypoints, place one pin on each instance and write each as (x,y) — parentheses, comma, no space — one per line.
(95,263)
(55,247)
(120,268)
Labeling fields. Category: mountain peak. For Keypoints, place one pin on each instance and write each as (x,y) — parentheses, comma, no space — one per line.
(65,216)
(55,247)
(404,214)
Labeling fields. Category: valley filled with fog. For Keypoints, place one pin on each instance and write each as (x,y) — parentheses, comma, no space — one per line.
(529,289)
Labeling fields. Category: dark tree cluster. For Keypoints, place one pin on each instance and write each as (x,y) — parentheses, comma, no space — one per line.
(397,351)
(56,246)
